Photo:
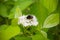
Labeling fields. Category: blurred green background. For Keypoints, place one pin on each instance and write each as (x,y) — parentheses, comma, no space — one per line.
(47,13)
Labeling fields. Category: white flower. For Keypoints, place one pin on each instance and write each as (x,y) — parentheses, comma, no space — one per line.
(28,20)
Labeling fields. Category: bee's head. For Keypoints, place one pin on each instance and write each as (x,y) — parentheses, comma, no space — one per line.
(29,17)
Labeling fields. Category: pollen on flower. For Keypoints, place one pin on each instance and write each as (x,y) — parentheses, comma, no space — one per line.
(28,20)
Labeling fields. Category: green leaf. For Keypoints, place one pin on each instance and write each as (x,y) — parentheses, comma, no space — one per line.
(14,22)
(39,11)
(3,10)
(51,21)
(15,12)
(10,32)
(22,38)
(45,29)
(44,34)
(24,3)
(19,6)
(40,36)
(3,27)
(51,5)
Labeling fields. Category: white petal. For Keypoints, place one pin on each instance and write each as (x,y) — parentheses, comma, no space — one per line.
(25,24)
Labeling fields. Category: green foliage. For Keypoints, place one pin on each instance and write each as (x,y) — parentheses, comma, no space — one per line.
(3,10)
(40,11)
(47,14)
(9,32)
(15,12)
(22,38)
(24,3)
(3,27)
(51,5)
(40,36)
(51,21)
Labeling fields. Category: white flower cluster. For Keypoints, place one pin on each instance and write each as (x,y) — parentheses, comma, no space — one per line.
(28,20)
